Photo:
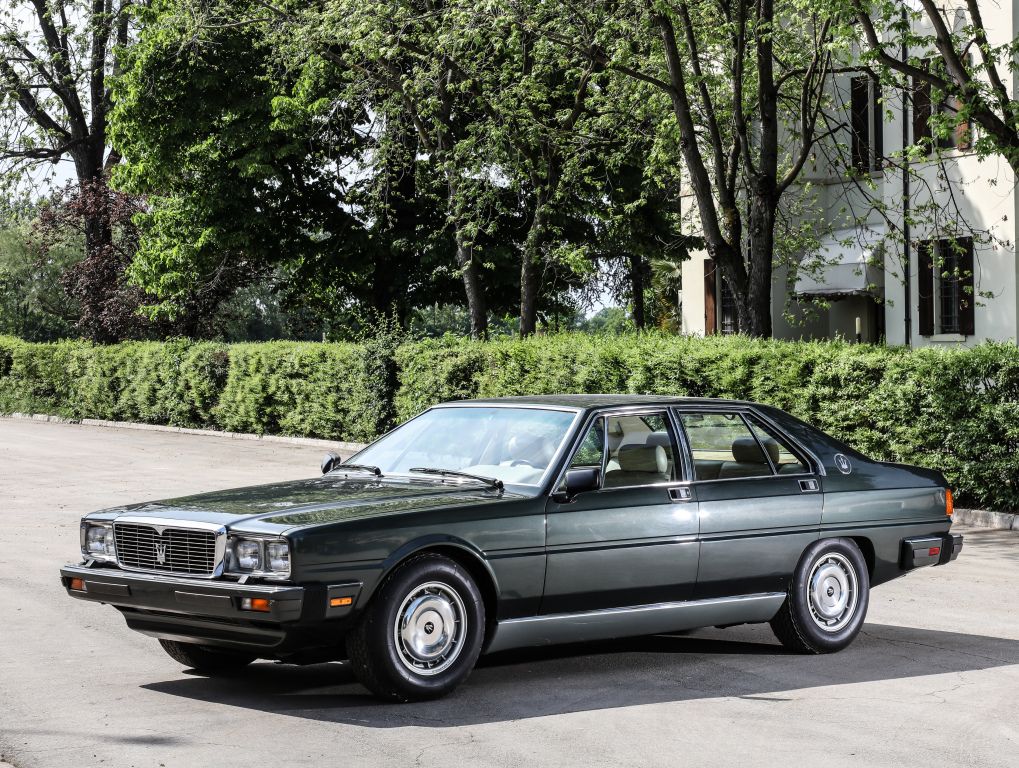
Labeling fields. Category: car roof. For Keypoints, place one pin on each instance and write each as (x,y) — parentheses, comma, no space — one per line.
(584,402)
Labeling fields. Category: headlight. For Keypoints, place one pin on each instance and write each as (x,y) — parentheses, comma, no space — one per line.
(261,557)
(249,555)
(278,555)
(98,542)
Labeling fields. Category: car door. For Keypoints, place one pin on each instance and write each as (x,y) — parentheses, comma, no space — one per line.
(632,540)
(759,501)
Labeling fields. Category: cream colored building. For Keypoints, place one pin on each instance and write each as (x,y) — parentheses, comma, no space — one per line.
(860,275)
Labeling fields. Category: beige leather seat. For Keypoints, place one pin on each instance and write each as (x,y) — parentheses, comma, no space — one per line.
(639,465)
(749,459)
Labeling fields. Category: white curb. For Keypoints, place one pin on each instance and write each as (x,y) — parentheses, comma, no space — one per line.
(983,518)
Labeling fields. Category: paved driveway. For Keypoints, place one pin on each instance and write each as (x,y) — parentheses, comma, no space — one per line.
(933,679)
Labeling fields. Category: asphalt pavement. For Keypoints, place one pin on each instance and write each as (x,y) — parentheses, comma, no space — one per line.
(932,680)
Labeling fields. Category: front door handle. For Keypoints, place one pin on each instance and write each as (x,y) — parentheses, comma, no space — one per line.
(809,486)
(680,494)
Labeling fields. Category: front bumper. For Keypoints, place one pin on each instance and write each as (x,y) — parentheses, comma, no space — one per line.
(937,549)
(210,612)
(193,597)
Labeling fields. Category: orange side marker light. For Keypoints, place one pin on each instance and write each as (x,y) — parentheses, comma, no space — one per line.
(339,602)
(78,585)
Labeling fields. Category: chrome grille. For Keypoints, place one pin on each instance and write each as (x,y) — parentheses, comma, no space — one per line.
(186,551)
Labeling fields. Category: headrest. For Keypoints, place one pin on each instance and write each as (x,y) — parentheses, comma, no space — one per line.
(745,450)
(643,458)
(772,447)
(659,438)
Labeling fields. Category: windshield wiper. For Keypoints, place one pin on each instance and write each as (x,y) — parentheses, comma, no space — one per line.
(455,473)
(361,468)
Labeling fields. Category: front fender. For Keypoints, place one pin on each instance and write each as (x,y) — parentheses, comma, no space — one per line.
(453,546)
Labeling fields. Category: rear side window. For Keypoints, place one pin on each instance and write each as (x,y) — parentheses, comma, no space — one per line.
(786,462)
(723,447)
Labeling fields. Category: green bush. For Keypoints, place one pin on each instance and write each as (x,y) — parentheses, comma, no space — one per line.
(954,410)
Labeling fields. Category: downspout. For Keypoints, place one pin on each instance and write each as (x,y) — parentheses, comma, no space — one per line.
(906,244)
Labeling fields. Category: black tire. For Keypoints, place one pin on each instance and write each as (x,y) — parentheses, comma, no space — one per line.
(209,661)
(424,596)
(810,619)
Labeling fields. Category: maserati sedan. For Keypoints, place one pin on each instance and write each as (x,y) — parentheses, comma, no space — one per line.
(484,525)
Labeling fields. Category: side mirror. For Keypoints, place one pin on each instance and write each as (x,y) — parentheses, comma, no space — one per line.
(329,461)
(580,480)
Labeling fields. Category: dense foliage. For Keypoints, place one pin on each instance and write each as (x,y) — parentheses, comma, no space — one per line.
(955,410)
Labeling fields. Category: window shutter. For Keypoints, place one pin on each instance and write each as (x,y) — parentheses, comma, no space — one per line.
(710,313)
(925,287)
(921,110)
(859,98)
(967,297)
(877,139)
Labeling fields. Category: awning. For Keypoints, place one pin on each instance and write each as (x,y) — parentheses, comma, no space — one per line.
(849,263)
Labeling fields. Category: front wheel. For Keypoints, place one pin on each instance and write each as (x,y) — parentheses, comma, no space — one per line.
(827,600)
(422,632)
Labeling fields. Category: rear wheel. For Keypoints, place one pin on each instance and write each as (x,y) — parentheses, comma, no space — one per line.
(422,632)
(827,599)
(207,660)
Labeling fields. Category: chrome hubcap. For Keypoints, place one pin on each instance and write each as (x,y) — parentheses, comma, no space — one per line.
(832,592)
(430,628)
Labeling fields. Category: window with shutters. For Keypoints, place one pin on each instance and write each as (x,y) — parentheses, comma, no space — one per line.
(945,287)
(867,126)
(924,109)
(729,324)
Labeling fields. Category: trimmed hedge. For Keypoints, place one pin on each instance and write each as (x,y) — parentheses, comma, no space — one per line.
(955,410)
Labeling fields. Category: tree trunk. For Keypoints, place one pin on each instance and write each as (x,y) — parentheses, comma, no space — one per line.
(756,318)
(530,274)
(637,289)
(472,286)
(468,267)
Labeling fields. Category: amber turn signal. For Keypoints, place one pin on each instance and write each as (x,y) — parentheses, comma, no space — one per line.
(78,585)
(949,502)
(255,604)
(339,602)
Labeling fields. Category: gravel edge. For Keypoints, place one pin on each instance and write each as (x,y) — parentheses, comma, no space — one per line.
(340,445)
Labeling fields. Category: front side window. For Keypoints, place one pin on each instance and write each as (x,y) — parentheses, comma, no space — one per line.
(633,450)
(514,445)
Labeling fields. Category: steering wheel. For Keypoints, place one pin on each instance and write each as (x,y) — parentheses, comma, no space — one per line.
(518,462)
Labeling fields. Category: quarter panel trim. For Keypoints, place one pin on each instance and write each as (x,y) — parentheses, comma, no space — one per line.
(630,622)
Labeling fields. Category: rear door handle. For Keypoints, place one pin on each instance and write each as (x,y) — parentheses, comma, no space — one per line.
(809,486)
(680,494)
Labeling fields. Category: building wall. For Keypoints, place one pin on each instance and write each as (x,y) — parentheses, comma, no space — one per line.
(983,191)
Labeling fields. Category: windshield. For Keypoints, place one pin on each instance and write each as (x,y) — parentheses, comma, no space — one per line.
(514,445)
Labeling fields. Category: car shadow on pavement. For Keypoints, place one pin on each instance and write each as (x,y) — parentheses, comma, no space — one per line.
(737,662)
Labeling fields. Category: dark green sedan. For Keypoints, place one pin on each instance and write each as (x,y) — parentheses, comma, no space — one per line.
(484,525)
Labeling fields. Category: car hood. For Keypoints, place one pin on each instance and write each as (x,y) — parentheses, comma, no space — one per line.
(327,499)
